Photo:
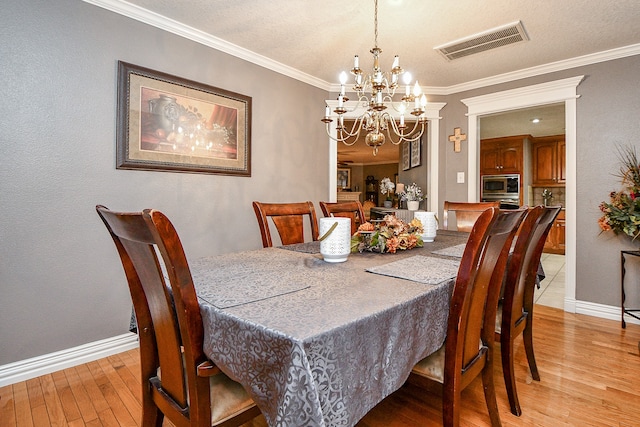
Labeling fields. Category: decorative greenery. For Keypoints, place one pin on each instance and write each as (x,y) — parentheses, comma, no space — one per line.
(386,187)
(413,193)
(390,235)
(622,213)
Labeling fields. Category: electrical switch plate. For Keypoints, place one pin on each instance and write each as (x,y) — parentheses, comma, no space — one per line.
(460,178)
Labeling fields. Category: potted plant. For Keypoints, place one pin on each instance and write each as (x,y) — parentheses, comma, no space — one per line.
(622,213)
(386,188)
(413,195)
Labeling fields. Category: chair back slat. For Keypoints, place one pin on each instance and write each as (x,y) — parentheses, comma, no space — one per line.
(288,219)
(352,210)
(466,214)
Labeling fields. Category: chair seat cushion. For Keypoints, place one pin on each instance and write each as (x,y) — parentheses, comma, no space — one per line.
(228,398)
(432,366)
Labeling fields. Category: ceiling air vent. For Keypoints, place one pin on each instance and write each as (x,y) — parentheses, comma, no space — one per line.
(486,40)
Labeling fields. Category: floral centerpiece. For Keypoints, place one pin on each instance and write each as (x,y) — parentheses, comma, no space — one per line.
(389,235)
(622,213)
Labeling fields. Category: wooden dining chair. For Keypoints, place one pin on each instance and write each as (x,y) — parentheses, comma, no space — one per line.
(288,219)
(465,213)
(178,381)
(515,310)
(468,348)
(366,207)
(351,210)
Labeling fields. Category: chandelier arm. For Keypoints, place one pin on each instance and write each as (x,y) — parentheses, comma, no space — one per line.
(353,133)
(408,136)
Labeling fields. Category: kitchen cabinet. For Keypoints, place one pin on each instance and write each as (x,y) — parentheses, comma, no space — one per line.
(502,155)
(549,161)
(555,243)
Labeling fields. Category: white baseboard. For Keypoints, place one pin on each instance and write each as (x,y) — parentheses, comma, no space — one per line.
(23,370)
(605,311)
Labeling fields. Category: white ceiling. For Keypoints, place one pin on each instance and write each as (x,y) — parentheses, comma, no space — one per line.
(319,38)
(315,40)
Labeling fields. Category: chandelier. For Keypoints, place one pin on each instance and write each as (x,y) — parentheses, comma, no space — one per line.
(375,92)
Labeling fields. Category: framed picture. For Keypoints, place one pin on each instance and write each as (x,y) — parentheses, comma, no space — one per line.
(415,153)
(172,124)
(344,178)
(406,156)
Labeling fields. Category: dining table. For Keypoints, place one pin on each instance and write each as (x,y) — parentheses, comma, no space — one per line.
(316,343)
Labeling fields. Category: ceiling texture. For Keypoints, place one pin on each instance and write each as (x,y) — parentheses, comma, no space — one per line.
(314,41)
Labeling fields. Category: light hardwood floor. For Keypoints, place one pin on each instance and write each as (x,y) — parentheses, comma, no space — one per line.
(589,368)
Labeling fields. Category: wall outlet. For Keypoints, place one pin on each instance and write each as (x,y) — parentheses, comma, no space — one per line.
(460,178)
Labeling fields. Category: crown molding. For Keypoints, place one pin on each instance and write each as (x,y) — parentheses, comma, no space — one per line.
(162,22)
(156,20)
(567,64)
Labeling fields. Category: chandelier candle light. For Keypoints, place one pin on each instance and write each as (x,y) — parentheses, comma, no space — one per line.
(375,92)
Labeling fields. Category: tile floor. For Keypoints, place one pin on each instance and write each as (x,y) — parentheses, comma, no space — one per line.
(551,292)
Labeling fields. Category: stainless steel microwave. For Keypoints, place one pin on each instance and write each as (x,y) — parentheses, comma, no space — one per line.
(498,187)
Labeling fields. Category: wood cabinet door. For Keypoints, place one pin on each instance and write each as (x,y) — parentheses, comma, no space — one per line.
(561,158)
(544,163)
(511,158)
(559,223)
(555,243)
(490,161)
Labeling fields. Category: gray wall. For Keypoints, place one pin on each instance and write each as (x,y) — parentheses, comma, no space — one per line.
(62,284)
(608,112)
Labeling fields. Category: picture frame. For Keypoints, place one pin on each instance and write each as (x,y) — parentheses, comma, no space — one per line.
(344,178)
(416,153)
(406,156)
(168,123)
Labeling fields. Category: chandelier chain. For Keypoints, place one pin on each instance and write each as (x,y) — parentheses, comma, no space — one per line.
(375,24)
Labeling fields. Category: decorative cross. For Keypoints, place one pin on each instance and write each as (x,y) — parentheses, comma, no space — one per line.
(456,138)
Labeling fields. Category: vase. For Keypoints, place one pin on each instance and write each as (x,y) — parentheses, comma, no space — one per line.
(335,233)
(388,203)
(429,225)
(413,205)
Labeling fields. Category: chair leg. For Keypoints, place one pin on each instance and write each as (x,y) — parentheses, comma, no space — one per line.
(151,415)
(490,394)
(527,336)
(508,372)
(451,407)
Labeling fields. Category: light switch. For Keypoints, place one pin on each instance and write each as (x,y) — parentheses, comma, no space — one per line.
(460,179)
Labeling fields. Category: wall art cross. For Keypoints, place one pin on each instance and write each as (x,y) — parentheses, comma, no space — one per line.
(456,138)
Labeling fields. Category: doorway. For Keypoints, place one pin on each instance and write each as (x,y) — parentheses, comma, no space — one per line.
(539,127)
(564,91)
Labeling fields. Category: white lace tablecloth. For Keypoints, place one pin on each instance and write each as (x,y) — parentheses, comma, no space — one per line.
(316,343)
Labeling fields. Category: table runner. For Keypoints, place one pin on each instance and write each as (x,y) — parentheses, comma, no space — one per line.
(453,251)
(421,269)
(229,281)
